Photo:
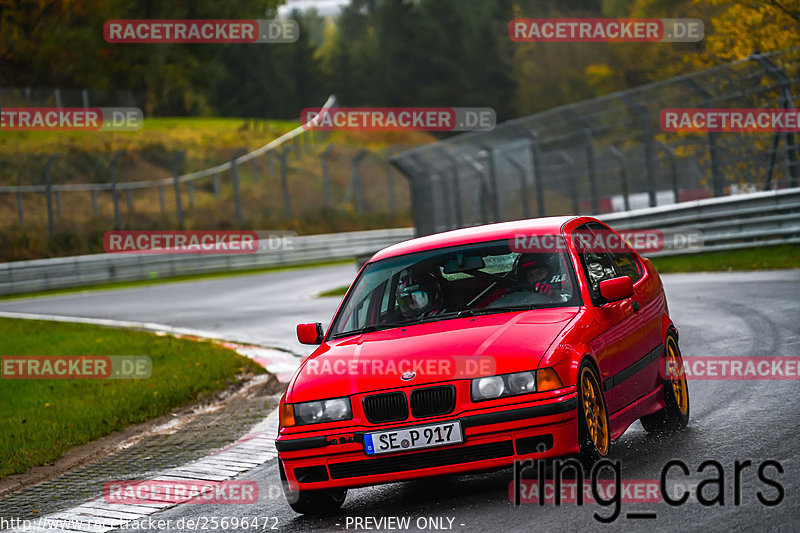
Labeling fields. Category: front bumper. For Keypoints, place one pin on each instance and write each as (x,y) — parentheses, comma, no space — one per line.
(494,439)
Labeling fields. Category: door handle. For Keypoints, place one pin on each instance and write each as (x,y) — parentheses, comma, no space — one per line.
(636,307)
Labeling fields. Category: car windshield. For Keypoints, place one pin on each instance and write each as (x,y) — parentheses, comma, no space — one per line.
(480,278)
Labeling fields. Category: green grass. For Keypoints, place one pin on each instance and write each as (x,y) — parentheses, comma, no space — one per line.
(338,292)
(175,279)
(770,257)
(43,418)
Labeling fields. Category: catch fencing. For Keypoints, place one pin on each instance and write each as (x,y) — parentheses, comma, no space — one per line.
(609,154)
(298,178)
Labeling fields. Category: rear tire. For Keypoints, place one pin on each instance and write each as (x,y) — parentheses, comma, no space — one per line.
(675,415)
(594,436)
(312,502)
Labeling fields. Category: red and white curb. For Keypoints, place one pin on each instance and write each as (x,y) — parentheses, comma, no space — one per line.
(252,450)
(98,516)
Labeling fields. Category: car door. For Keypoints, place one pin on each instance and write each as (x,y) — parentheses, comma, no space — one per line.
(620,345)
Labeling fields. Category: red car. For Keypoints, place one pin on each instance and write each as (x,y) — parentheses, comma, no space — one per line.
(467,350)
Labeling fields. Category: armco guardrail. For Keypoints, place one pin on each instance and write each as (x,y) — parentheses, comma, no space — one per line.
(757,219)
(743,221)
(66,272)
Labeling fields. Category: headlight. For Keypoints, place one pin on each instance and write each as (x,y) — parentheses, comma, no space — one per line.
(492,387)
(322,411)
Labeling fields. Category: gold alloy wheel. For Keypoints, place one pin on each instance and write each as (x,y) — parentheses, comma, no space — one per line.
(678,381)
(594,410)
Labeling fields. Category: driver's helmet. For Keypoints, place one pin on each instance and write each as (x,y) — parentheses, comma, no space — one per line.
(418,293)
(526,263)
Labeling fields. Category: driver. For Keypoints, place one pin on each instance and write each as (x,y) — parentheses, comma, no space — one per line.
(536,270)
(418,293)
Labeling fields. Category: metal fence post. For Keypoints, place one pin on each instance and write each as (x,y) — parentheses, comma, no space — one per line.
(95,210)
(355,181)
(112,170)
(491,172)
(58,203)
(623,175)
(390,201)
(787,102)
(236,193)
(176,171)
(420,197)
(20,213)
(326,178)
(573,184)
(523,185)
(717,181)
(48,186)
(456,185)
(673,169)
(85,97)
(588,139)
(287,203)
(640,112)
(536,159)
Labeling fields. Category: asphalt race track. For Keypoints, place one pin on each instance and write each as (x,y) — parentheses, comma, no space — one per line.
(724,314)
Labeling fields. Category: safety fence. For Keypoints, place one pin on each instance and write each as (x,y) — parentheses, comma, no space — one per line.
(756,219)
(610,153)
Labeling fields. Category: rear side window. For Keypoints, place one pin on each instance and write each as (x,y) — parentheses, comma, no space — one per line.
(625,263)
(601,263)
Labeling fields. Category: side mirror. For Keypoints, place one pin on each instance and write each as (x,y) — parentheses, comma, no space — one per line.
(616,289)
(311,333)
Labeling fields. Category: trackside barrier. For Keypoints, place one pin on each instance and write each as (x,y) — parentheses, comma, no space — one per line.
(85,270)
(747,220)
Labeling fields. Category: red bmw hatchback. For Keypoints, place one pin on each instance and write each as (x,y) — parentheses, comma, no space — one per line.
(467,350)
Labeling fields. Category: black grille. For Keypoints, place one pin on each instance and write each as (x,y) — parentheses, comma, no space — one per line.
(389,407)
(417,461)
(433,401)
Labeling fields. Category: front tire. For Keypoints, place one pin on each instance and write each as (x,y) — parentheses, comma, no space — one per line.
(312,502)
(594,436)
(675,415)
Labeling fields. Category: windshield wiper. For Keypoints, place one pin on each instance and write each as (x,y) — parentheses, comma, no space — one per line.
(389,325)
(492,310)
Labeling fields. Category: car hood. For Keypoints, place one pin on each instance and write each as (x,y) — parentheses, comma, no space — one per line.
(436,351)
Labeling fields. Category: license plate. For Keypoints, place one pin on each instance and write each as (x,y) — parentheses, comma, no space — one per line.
(413,438)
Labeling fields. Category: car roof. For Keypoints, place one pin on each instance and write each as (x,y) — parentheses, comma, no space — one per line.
(488,232)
